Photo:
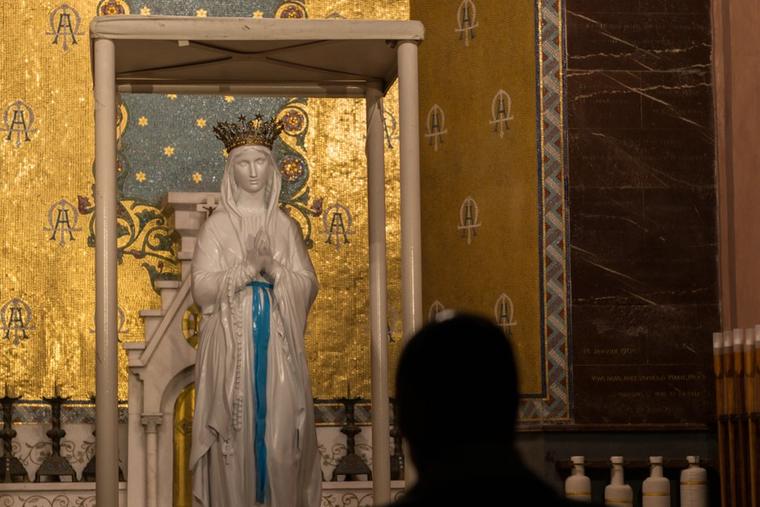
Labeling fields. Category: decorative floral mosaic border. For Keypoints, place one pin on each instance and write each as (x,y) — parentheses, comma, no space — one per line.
(555,405)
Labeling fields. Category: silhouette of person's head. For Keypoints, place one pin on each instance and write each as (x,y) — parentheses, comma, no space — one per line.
(456,389)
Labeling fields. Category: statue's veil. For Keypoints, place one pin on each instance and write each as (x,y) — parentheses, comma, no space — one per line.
(231,191)
(219,401)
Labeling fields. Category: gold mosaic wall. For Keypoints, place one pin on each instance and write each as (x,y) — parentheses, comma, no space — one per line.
(47,285)
(55,279)
(47,266)
(479,167)
(335,147)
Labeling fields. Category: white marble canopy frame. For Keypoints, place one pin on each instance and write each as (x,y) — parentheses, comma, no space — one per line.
(235,56)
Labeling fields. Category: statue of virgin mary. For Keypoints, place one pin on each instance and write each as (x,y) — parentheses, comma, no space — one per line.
(254,440)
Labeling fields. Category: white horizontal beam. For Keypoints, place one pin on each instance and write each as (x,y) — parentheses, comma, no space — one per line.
(251,29)
(265,89)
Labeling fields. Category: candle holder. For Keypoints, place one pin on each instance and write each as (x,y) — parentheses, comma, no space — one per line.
(89,472)
(351,465)
(55,466)
(11,469)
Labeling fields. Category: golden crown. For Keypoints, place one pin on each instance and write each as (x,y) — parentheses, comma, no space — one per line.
(246,132)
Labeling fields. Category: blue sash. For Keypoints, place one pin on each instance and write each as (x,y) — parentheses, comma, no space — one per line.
(260,319)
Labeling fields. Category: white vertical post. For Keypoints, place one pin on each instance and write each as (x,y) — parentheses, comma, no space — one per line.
(381,459)
(106,365)
(151,423)
(411,236)
(136,458)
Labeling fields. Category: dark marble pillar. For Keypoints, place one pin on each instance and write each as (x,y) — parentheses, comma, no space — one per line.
(643,229)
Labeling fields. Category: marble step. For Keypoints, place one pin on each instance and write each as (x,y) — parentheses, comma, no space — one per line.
(185,258)
(151,320)
(168,290)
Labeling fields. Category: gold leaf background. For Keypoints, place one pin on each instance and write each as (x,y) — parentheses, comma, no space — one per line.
(57,281)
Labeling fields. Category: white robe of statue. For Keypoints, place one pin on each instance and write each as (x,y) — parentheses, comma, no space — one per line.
(223,460)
